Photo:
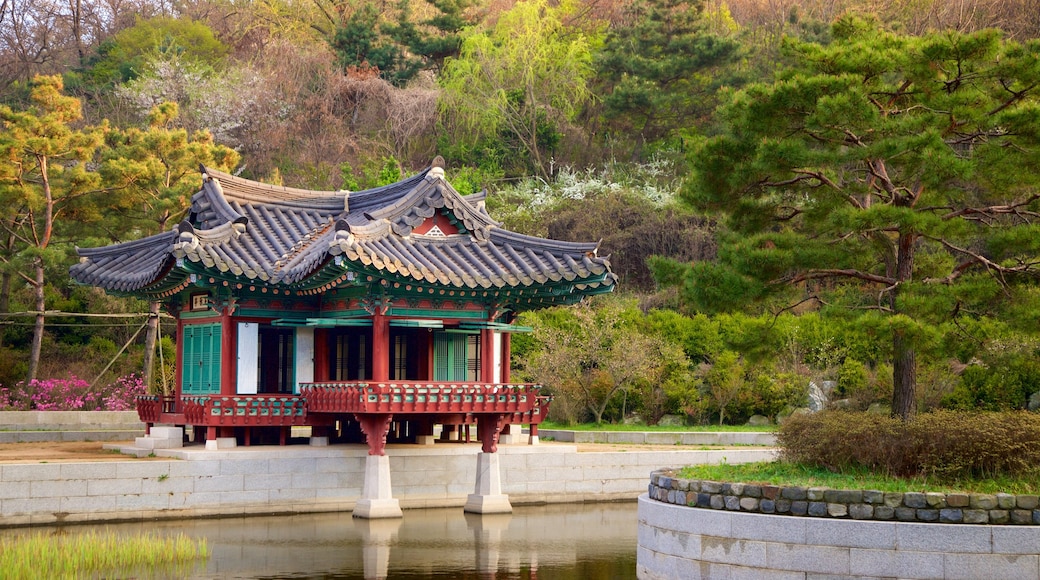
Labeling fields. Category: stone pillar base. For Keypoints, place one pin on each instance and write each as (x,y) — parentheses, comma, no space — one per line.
(319,441)
(487,496)
(488,504)
(377,508)
(425,439)
(221,443)
(376,499)
(532,440)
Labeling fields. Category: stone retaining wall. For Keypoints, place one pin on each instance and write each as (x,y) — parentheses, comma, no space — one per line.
(38,426)
(682,542)
(948,508)
(293,479)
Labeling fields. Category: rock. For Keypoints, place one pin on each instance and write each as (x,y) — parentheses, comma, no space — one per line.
(759,421)
(1034,401)
(818,397)
(632,419)
(671,421)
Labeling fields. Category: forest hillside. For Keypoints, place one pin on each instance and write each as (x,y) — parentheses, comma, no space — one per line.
(804,200)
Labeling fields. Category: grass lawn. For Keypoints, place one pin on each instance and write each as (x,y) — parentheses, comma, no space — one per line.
(659,428)
(789,474)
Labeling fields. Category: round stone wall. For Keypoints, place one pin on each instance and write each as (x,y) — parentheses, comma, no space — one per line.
(678,541)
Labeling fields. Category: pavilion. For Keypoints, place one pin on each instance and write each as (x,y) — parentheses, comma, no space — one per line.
(364,315)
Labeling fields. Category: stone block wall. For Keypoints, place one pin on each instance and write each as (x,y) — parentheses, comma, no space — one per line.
(296,479)
(682,542)
(947,508)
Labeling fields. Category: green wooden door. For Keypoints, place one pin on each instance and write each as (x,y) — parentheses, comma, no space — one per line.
(200,361)
(455,357)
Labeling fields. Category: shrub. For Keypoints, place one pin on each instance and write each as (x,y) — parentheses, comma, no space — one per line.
(72,394)
(940,443)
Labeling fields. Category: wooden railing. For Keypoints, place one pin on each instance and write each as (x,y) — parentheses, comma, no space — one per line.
(411,397)
(521,403)
(149,408)
(244,410)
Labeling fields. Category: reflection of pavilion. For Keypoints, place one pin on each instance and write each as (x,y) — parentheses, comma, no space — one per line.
(369,316)
(377,537)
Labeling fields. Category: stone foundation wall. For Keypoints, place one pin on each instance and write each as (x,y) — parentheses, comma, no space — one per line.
(37,426)
(682,542)
(292,479)
(947,508)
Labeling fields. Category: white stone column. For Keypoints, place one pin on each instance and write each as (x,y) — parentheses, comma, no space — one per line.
(376,500)
(487,496)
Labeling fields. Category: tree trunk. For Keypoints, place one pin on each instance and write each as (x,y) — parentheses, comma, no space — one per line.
(37,339)
(904,356)
(904,378)
(150,338)
(5,297)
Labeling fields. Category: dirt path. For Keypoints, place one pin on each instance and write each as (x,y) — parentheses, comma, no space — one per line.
(59,452)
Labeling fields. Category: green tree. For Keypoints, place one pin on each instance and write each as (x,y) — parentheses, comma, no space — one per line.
(156,171)
(884,174)
(724,380)
(591,355)
(395,42)
(45,183)
(661,71)
(125,56)
(523,78)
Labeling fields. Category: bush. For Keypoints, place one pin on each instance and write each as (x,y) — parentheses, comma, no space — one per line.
(941,443)
(72,394)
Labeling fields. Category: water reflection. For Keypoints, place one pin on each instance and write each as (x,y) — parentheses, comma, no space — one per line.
(568,541)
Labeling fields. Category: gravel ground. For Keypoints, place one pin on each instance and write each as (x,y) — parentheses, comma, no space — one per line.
(56,452)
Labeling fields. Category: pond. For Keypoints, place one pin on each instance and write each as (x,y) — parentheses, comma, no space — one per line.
(560,541)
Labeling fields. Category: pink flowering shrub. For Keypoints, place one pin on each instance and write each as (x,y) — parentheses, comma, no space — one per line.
(72,394)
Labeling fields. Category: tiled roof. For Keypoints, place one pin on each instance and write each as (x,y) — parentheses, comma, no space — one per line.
(252,232)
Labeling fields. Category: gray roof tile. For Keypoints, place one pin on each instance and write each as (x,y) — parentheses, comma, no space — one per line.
(280,235)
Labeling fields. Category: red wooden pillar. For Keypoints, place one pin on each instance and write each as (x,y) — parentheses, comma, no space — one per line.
(380,348)
(321,355)
(228,358)
(178,367)
(506,356)
(487,356)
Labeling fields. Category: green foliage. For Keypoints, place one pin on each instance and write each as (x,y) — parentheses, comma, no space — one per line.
(525,77)
(661,68)
(157,171)
(943,443)
(124,56)
(1006,385)
(392,41)
(592,356)
(838,174)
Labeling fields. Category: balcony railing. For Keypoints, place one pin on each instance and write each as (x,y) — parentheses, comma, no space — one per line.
(523,402)
(424,397)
